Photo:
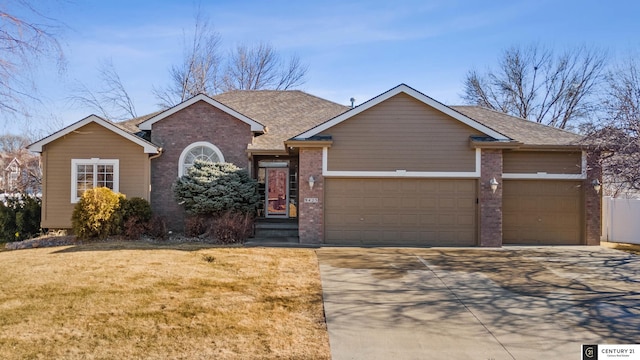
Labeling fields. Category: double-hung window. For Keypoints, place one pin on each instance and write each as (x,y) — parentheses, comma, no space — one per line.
(92,173)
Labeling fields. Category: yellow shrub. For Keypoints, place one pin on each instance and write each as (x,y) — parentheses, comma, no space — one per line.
(97,214)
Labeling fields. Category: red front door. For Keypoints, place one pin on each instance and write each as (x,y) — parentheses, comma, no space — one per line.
(277,199)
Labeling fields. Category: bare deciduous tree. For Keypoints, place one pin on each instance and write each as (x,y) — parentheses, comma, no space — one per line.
(199,70)
(13,144)
(111,100)
(536,84)
(618,133)
(260,67)
(24,40)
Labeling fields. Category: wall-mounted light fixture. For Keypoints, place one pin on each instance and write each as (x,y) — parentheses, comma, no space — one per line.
(494,184)
(311,182)
(596,185)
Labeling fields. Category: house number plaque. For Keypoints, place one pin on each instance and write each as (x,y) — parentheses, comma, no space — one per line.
(310,200)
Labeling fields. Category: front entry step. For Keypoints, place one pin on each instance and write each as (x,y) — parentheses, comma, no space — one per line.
(275,231)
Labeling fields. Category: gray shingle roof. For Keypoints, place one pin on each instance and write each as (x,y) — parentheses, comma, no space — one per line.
(522,130)
(284,113)
(289,113)
(131,125)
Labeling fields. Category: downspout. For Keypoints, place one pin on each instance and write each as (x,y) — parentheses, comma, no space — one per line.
(156,155)
(151,158)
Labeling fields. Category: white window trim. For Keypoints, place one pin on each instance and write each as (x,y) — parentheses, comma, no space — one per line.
(95,162)
(193,145)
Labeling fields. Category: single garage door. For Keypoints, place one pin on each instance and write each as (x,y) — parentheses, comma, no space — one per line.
(546,212)
(400,212)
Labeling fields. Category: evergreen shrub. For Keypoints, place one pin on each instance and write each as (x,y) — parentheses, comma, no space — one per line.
(216,188)
(20,217)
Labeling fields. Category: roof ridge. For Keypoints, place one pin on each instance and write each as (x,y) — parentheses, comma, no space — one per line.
(286,91)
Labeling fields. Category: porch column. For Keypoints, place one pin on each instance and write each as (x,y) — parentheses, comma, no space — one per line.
(593,199)
(490,203)
(311,201)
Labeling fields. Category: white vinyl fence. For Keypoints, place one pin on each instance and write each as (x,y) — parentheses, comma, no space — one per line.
(621,220)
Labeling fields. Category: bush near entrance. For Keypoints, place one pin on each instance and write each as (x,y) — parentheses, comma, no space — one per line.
(221,199)
(216,188)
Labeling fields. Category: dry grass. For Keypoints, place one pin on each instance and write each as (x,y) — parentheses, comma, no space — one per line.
(141,301)
(630,248)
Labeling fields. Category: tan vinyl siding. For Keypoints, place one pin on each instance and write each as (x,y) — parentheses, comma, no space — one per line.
(551,162)
(89,141)
(401,133)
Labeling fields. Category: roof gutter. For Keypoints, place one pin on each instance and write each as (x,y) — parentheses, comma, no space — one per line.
(293,143)
(155,156)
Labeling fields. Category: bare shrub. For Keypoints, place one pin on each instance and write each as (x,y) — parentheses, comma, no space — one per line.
(134,228)
(232,228)
(157,228)
(196,226)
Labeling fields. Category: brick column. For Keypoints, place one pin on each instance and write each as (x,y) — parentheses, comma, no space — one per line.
(490,203)
(592,200)
(311,214)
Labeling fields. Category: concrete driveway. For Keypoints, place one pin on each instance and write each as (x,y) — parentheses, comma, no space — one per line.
(510,303)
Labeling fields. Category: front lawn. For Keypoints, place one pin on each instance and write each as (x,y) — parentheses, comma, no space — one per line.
(138,300)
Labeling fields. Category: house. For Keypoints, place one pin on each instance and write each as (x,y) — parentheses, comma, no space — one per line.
(399,169)
(20,173)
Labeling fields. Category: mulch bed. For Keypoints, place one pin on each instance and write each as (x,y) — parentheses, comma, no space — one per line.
(52,241)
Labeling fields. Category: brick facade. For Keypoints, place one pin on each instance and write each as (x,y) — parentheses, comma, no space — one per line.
(311,215)
(592,200)
(198,122)
(490,203)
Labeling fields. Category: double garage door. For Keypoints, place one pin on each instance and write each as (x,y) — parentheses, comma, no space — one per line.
(423,212)
(443,212)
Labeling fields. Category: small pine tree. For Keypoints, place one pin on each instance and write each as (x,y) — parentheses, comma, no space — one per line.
(217,188)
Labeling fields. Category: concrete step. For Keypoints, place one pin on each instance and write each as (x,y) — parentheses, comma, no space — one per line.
(276,242)
(276,233)
(276,225)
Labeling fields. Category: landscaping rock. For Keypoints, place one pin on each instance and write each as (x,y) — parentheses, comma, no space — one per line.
(43,242)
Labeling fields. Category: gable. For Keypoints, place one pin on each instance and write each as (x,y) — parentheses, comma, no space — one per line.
(92,139)
(401,133)
(106,125)
(255,126)
(403,89)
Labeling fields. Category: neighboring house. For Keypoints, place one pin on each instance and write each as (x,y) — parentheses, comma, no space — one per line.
(399,169)
(20,173)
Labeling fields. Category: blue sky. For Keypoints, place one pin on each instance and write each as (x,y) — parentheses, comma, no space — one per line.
(353,48)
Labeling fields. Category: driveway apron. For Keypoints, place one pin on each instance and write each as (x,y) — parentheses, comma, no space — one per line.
(517,303)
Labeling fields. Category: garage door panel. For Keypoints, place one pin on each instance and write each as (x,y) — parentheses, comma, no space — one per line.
(410,219)
(466,220)
(410,203)
(542,212)
(447,203)
(427,220)
(401,211)
(390,219)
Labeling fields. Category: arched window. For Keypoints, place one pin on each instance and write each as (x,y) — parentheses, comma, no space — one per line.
(200,150)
